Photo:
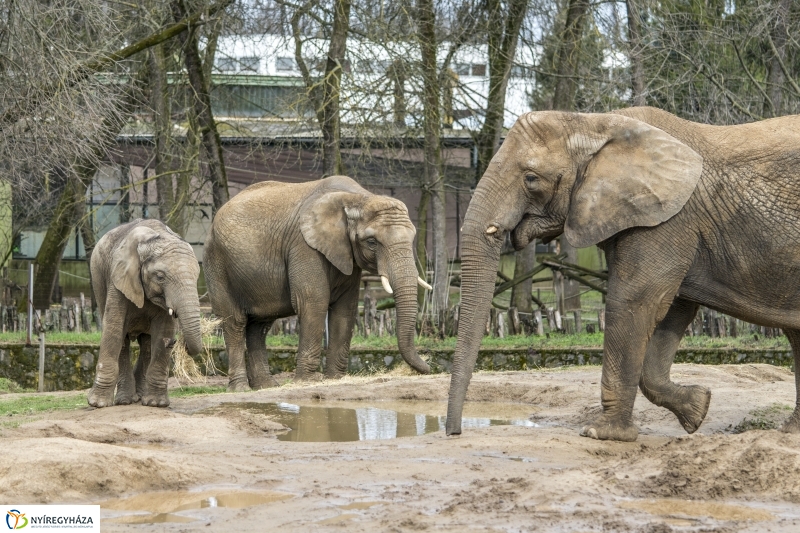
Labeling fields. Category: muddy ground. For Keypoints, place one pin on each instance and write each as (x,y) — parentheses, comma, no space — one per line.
(202,465)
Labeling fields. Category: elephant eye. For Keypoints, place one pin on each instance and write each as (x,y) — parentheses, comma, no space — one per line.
(371,241)
(160,276)
(530,179)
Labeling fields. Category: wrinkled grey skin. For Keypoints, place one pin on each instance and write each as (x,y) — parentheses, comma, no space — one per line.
(140,270)
(279,249)
(686,213)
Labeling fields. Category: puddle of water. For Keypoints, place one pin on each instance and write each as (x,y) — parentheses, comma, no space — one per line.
(315,423)
(698,509)
(163,503)
(160,518)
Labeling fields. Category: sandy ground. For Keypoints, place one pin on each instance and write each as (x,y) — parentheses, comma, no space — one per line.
(181,461)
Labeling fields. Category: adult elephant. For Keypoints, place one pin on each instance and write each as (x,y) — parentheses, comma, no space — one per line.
(279,249)
(144,277)
(686,213)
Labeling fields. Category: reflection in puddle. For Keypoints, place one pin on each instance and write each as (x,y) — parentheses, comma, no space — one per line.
(698,509)
(340,424)
(161,505)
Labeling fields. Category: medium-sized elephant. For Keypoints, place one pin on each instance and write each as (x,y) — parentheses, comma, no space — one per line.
(279,249)
(686,213)
(144,277)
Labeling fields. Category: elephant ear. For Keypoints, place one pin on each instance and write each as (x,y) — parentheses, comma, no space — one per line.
(126,264)
(638,176)
(324,227)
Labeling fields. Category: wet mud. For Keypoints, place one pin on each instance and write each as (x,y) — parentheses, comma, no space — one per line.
(368,454)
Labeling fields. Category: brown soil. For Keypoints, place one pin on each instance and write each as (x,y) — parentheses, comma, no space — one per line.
(148,465)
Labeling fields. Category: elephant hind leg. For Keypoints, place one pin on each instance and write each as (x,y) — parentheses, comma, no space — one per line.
(233,328)
(142,362)
(792,425)
(257,357)
(688,402)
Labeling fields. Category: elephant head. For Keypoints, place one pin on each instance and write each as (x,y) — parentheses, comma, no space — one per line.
(588,176)
(158,266)
(375,233)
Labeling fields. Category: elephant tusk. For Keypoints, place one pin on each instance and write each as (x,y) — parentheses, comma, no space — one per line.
(423,283)
(491,229)
(171,311)
(386,286)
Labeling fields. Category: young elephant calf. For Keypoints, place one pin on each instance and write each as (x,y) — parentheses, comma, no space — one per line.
(144,277)
(279,249)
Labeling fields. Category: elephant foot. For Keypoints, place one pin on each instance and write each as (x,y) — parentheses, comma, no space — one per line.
(238,385)
(335,375)
(156,400)
(792,424)
(101,396)
(607,427)
(692,406)
(263,382)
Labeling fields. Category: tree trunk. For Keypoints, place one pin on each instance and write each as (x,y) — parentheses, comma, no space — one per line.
(521,293)
(432,151)
(422,241)
(201,102)
(776,77)
(567,62)
(161,124)
(635,52)
(568,56)
(503,36)
(66,216)
(331,84)
(398,76)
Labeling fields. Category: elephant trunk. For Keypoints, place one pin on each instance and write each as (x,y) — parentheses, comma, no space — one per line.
(187,308)
(480,256)
(403,279)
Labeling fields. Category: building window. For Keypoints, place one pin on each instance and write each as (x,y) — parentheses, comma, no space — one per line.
(479,69)
(248,64)
(462,69)
(225,64)
(284,63)
(521,71)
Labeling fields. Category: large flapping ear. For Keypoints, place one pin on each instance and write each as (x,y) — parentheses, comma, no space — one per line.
(126,264)
(324,227)
(638,176)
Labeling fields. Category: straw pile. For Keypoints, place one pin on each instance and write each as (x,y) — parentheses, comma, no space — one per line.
(184,368)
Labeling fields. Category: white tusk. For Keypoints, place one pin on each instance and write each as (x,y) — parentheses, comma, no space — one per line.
(170,311)
(491,229)
(423,283)
(386,286)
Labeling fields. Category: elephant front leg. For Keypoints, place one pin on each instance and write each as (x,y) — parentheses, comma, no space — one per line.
(629,324)
(688,402)
(126,386)
(341,319)
(162,331)
(111,344)
(792,425)
(257,357)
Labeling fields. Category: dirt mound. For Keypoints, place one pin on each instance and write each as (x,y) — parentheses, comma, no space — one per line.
(758,373)
(63,469)
(757,463)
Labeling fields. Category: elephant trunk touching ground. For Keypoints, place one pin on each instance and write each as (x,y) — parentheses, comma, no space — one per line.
(402,276)
(186,307)
(482,238)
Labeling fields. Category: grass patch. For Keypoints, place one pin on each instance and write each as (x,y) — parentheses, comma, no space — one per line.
(53,337)
(196,390)
(34,404)
(6,385)
(765,418)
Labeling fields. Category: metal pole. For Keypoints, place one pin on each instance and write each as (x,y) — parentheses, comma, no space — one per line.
(41,362)
(30,304)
